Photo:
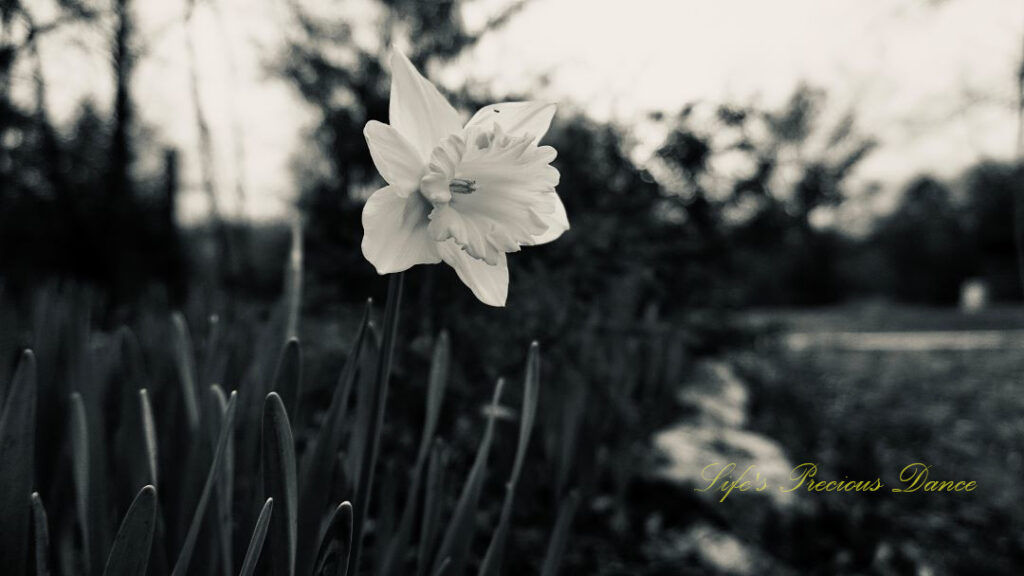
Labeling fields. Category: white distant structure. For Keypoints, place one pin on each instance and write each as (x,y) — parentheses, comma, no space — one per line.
(974,295)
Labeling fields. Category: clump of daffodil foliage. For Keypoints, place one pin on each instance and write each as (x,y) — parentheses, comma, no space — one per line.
(146,451)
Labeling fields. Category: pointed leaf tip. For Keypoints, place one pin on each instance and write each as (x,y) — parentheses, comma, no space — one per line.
(41,530)
(259,535)
(280,482)
(129,556)
(334,555)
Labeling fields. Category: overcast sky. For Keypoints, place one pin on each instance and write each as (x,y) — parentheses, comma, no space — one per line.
(932,80)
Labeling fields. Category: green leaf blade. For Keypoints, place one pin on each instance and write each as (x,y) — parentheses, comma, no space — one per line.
(185,556)
(259,535)
(17,465)
(280,483)
(560,535)
(129,556)
(41,530)
(459,536)
(333,557)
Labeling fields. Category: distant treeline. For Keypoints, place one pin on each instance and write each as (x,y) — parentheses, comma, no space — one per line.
(640,235)
(724,213)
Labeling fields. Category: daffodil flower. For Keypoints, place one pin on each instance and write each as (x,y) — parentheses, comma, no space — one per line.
(463,194)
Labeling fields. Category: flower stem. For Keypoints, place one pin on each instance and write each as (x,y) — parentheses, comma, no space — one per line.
(382,377)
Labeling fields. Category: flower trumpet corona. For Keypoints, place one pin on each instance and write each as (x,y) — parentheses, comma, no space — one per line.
(463,194)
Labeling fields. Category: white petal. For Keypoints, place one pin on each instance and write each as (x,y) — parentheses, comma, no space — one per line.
(395,235)
(516,118)
(488,283)
(398,162)
(417,109)
(557,221)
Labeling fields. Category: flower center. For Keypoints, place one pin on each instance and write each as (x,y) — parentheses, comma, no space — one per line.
(490,191)
(462,186)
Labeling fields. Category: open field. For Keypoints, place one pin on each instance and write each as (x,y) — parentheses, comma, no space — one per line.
(867,413)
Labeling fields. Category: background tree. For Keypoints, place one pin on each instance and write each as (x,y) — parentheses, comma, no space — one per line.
(926,244)
(72,203)
(755,216)
(989,190)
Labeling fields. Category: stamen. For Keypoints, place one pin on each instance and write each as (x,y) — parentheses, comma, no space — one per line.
(462,186)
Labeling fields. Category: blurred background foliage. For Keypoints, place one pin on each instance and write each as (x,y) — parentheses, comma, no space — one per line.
(733,207)
(736,207)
